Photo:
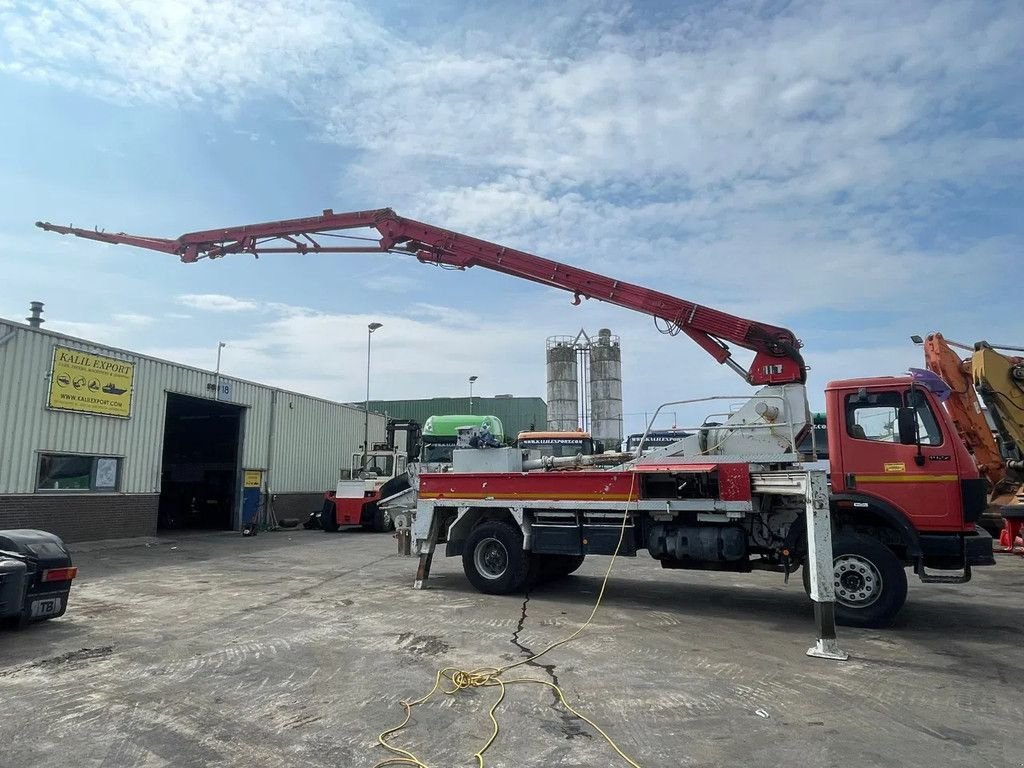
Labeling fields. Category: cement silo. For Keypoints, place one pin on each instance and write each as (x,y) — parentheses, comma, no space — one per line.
(563,381)
(606,389)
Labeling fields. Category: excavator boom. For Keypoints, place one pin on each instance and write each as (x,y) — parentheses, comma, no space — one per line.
(777,358)
(999,380)
(963,405)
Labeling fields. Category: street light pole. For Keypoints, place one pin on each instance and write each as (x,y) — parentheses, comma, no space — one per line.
(366,404)
(471,380)
(216,394)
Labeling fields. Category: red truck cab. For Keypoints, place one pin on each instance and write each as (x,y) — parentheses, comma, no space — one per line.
(900,472)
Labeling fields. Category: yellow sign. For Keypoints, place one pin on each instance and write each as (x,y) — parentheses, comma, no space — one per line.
(896,467)
(85,383)
(252,478)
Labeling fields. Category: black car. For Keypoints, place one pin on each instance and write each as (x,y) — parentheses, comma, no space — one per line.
(35,576)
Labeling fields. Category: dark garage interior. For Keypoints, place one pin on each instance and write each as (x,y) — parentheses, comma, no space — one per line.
(200,478)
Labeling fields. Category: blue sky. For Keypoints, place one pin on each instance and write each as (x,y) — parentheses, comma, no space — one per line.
(849,170)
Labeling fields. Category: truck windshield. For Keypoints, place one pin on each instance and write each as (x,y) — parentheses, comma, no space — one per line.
(437,452)
(380,465)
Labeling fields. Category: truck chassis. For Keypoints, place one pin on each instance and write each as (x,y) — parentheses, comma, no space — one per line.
(452,506)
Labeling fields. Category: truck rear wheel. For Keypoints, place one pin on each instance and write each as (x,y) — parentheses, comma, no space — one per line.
(493,558)
(870,581)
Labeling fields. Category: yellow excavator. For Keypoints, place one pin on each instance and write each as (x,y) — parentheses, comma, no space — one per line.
(998,379)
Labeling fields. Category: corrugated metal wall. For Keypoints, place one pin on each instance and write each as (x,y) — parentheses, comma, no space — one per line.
(516,413)
(312,440)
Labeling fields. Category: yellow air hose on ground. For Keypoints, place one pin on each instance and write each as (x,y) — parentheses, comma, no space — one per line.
(451,680)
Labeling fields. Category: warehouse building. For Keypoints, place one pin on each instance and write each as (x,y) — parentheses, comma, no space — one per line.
(516,413)
(100,442)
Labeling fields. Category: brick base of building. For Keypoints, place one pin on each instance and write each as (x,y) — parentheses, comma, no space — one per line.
(82,517)
(297,505)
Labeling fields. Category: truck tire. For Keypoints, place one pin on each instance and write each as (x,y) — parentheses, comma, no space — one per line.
(382,522)
(328,517)
(870,581)
(493,558)
(555,567)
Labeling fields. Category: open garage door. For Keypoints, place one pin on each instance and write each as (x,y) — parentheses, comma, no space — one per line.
(200,480)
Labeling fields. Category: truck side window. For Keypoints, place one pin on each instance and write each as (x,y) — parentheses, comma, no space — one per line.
(873,416)
(927,425)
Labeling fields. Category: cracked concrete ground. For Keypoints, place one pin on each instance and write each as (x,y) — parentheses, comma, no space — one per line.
(294,649)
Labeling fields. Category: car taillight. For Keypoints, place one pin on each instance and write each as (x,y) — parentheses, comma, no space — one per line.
(60,574)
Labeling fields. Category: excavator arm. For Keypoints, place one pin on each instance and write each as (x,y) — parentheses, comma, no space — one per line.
(1000,382)
(963,405)
(777,358)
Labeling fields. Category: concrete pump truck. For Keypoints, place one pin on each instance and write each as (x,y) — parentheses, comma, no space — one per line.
(732,495)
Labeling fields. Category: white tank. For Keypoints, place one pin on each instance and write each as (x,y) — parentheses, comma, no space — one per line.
(605,389)
(563,382)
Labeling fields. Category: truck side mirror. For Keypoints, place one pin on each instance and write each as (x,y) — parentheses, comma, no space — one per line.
(906,419)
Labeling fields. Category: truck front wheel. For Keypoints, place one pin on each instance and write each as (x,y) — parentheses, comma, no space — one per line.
(493,558)
(329,516)
(870,581)
(382,522)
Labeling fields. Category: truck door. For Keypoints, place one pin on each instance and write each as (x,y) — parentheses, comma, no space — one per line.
(922,481)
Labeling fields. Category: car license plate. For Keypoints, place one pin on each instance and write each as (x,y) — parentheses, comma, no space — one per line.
(47,607)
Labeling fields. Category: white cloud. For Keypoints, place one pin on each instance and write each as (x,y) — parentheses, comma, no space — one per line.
(825,165)
(216,302)
(389,282)
(429,351)
(112,334)
(574,112)
(133,318)
(775,164)
(185,51)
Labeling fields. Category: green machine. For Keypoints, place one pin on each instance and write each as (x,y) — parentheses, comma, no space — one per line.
(440,434)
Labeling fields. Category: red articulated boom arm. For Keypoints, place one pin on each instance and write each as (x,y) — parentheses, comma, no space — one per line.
(777,358)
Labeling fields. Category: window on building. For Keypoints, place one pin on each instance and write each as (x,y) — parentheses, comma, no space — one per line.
(74,472)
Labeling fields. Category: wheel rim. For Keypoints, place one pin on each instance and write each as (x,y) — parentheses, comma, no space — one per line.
(490,558)
(858,582)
